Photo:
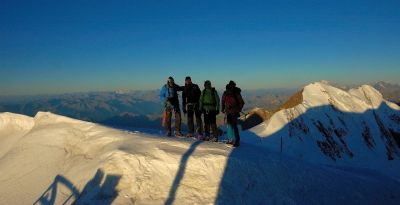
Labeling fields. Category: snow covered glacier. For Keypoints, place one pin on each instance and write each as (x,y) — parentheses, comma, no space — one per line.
(328,157)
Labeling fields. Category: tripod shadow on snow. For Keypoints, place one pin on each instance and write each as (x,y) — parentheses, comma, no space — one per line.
(181,171)
(101,189)
(50,194)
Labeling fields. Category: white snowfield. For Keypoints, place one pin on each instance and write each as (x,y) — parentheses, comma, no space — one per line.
(51,159)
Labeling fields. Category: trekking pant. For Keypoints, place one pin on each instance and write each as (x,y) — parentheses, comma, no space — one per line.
(169,117)
(210,121)
(192,110)
(232,119)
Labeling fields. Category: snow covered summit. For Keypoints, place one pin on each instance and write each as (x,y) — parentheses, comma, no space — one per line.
(324,123)
(52,159)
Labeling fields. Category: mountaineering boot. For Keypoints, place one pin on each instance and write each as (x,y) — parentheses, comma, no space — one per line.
(237,143)
(214,130)
(178,134)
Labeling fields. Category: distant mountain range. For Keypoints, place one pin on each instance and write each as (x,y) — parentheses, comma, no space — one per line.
(389,91)
(122,108)
(103,107)
(125,108)
(268,99)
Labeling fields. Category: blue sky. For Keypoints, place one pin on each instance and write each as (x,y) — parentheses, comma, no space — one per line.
(73,46)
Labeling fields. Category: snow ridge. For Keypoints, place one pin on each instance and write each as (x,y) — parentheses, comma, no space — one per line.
(352,127)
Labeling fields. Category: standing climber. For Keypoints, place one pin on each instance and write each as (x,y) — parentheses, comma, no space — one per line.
(190,105)
(209,105)
(170,100)
(232,104)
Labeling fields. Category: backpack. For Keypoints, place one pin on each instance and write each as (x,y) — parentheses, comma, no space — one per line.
(232,101)
(192,93)
(209,99)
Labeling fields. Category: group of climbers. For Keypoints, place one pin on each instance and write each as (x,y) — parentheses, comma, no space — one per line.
(206,103)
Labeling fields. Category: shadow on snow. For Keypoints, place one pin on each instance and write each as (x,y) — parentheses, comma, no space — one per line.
(101,189)
(256,175)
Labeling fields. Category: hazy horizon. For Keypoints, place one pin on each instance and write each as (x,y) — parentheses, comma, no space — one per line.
(94,46)
(293,88)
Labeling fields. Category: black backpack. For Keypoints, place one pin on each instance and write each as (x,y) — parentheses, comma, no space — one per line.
(192,92)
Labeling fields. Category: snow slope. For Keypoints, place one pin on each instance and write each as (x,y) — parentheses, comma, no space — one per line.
(355,128)
(13,127)
(59,160)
